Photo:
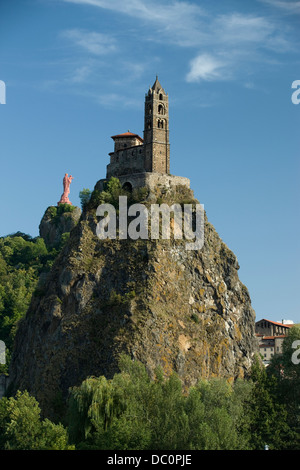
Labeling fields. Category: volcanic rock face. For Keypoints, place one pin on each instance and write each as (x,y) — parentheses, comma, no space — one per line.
(55,223)
(185,311)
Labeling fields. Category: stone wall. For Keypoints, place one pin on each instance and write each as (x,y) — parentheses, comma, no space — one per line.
(126,161)
(150,180)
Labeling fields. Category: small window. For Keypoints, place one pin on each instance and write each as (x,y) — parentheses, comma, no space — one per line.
(161,109)
(161,97)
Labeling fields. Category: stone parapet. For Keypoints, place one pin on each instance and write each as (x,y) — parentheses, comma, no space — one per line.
(149,180)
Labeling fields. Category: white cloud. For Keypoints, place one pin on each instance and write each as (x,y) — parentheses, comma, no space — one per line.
(205,67)
(239,29)
(176,20)
(93,42)
(288,7)
(169,12)
(225,43)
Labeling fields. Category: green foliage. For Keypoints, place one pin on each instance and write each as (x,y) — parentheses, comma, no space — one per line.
(118,299)
(52,211)
(133,412)
(85,196)
(110,195)
(112,191)
(268,417)
(62,208)
(21,427)
(286,372)
(22,260)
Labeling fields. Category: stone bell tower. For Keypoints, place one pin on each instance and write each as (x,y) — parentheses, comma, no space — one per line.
(140,163)
(156,130)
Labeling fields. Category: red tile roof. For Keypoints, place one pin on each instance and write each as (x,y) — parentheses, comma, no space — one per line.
(127,134)
(273,337)
(276,323)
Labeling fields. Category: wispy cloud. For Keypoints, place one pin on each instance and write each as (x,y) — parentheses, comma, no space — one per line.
(205,67)
(234,41)
(170,12)
(93,42)
(221,43)
(81,74)
(287,6)
(241,29)
(176,20)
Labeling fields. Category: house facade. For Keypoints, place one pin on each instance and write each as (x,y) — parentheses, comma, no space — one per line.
(270,336)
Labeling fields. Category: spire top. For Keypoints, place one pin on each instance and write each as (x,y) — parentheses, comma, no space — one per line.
(157,86)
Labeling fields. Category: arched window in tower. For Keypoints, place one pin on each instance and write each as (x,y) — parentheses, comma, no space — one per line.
(161,97)
(160,124)
(161,109)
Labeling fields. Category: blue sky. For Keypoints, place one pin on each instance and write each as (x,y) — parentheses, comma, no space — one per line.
(76,73)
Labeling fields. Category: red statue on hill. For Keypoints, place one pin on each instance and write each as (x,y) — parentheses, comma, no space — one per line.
(66,182)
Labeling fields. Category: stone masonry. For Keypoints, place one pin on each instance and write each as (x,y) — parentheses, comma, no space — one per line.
(145,161)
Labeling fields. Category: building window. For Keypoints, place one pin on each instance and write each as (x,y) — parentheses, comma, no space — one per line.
(161,97)
(161,109)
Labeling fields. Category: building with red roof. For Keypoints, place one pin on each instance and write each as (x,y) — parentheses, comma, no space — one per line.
(270,335)
(145,161)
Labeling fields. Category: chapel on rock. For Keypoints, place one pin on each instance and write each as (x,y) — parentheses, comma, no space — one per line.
(138,161)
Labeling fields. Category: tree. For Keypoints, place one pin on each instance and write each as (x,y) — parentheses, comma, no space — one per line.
(21,427)
(285,368)
(22,260)
(133,412)
(216,415)
(85,196)
(108,414)
(268,416)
